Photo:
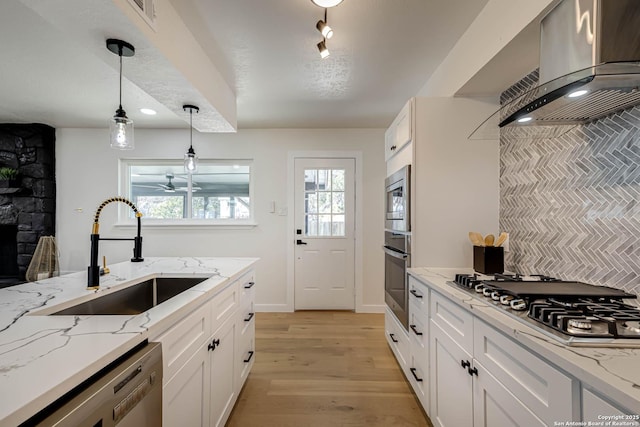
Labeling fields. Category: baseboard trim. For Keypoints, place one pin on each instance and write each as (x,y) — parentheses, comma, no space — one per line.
(273,308)
(371,308)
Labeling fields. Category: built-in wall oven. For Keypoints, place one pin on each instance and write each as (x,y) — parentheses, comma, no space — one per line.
(397,258)
(397,243)
(397,216)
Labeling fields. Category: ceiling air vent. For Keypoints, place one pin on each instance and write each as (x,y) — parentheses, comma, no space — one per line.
(146,9)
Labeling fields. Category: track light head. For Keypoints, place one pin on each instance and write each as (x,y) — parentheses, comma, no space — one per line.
(322,47)
(325,29)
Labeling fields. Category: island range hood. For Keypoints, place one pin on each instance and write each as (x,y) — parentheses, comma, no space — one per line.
(589,66)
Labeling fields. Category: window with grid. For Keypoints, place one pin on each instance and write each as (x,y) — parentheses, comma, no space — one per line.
(162,190)
(324,209)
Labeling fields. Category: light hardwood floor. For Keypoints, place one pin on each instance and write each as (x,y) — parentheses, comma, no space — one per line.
(323,368)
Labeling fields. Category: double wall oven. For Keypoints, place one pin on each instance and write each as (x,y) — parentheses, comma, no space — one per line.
(397,243)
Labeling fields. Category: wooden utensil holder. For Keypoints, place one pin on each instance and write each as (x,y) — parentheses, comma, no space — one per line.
(488,259)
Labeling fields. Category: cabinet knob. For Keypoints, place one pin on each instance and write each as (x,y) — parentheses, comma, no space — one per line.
(393,147)
(465,363)
(472,371)
(215,343)
(393,338)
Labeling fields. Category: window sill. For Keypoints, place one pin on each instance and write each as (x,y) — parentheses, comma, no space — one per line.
(168,224)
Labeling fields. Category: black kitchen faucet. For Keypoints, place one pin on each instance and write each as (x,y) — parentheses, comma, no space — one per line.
(93,276)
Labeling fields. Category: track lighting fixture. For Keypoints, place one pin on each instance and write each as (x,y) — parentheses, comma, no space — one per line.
(120,126)
(322,47)
(190,157)
(324,28)
(326,3)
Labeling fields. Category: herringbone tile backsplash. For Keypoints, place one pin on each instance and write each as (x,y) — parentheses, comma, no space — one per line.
(571,204)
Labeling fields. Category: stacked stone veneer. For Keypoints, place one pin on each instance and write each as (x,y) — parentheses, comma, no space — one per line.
(30,148)
(571,201)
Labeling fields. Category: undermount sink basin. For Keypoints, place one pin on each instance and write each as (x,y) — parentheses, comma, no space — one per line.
(134,299)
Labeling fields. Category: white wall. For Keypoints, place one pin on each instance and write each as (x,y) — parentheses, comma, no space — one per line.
(87,173)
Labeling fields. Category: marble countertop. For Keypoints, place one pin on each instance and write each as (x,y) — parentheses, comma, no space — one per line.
(42,357)
(612,372)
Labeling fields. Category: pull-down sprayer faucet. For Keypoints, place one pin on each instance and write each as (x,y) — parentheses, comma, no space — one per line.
(93,277)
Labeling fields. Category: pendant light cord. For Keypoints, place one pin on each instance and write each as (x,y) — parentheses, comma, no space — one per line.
(120,55)
(191,128)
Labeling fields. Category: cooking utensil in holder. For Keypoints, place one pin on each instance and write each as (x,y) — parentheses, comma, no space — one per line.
(488,259)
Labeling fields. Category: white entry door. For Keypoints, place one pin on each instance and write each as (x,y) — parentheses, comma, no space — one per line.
(324,234)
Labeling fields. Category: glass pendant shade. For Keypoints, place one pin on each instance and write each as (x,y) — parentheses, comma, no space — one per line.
(121,129)
(190,157)
(190,161)
(120,126)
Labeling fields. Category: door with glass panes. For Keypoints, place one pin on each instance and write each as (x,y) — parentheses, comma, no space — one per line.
(324,234)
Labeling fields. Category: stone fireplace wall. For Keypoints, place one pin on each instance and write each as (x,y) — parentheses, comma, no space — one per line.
(31,203)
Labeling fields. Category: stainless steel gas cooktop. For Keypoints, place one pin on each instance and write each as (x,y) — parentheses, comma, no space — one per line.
(573,313)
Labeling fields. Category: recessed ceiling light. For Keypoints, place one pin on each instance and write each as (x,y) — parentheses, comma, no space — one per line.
(524,120)
(326,3)
(577,93)
(148,111)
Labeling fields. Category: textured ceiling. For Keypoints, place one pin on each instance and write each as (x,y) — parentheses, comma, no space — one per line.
(56,70)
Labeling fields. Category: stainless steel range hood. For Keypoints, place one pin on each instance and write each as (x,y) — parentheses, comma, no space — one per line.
(589,63)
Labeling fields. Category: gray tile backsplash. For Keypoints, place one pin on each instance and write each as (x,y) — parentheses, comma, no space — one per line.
(571,204)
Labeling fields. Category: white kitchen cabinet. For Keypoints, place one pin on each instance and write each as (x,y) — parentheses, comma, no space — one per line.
(451,383)
(418,362)
(222,371)
(186,396)
(204,357)
(596,408)
(397,338)
(400,132)
(450,174)
(477,376)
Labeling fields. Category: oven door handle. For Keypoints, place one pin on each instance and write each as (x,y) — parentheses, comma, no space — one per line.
(394,254)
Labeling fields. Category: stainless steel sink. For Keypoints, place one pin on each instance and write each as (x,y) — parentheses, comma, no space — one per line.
(134,299)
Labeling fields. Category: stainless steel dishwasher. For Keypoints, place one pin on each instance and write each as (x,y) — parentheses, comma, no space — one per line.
(127,394)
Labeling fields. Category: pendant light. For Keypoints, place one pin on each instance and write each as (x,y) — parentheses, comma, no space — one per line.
(120,126)
(190,157)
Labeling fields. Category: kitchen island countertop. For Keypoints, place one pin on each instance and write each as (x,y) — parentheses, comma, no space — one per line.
(611,372)
(42,357)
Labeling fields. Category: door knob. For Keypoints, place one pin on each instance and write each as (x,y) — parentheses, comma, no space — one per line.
(300,242)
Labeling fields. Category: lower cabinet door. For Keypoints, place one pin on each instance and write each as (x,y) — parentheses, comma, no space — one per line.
(186,395)
(223,391)
(494,405)
(451,391)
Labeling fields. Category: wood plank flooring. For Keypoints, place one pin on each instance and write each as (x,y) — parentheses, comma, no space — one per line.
(324,368)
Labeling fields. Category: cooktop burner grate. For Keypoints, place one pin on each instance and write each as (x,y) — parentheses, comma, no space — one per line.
(568,309)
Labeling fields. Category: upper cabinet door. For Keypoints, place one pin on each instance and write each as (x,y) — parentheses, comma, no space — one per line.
(400,133)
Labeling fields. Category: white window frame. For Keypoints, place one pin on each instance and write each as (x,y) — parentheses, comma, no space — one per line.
(124,185)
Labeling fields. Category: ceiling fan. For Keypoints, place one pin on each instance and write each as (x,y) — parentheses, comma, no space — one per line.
(169,186)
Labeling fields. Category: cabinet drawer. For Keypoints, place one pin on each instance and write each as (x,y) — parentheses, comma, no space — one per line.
(594,407)
(543,389)
(247,286)
(419,377)
(184,339)
(245,358)
(418,328)
(456,321)
(397,338)
(223,305)
(419,295)
(246,318)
